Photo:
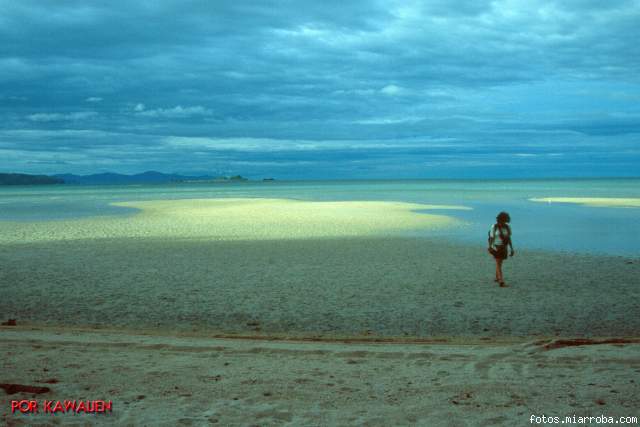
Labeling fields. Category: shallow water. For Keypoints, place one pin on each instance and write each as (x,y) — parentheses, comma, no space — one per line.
(556,226)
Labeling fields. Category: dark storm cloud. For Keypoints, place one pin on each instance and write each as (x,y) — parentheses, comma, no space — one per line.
(317,89)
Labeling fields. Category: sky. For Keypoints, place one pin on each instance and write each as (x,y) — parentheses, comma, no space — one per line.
(308,89)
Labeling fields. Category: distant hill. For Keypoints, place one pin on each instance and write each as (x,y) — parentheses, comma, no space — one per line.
(149,177)
(25,179)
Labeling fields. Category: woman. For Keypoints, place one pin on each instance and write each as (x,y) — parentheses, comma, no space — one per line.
(499,239)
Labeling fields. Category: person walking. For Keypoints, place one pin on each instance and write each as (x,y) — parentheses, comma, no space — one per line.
(499,239)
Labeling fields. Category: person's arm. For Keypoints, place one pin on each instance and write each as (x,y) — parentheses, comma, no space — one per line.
(492,237)
(511,244)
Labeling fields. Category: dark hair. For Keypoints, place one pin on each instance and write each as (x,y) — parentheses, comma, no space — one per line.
(503,217)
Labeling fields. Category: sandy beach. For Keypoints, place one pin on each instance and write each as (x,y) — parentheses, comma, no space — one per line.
(363,286)
(320,213)
(313,329)
(175,380)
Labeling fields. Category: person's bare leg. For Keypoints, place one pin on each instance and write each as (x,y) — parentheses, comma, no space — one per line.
(499,272)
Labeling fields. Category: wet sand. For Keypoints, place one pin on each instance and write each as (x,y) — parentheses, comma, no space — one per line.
(238,219)
(358,286)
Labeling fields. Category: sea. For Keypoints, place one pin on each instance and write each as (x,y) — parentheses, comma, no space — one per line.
(559,227)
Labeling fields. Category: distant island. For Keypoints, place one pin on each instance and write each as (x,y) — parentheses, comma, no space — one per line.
(108,178)
(149,177)
(25,179)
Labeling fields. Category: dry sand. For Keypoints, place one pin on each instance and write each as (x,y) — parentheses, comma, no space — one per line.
(604,202)
(167,381)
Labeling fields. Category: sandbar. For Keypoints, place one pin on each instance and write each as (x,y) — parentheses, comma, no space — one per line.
(603,202)
(238,219)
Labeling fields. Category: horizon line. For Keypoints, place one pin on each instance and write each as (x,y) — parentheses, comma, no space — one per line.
(270,177)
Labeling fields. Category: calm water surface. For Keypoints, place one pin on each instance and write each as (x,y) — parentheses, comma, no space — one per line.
(556,226)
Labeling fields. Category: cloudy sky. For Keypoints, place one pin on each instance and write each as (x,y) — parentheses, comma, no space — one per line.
(321,89)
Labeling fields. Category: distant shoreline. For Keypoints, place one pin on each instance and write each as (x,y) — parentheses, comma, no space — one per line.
(158,178)
(149,177)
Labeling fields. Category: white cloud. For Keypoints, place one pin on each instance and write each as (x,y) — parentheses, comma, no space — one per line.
(241,144)
(392,90)
(56,117)
(273,145)
(389,120)
(33,134)
(176,112)
(93,99)
(321,34)
(14,98)
(354,92)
